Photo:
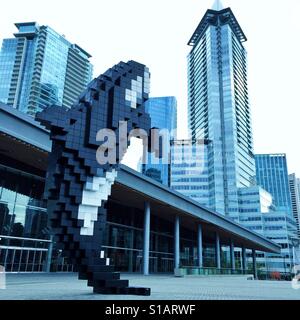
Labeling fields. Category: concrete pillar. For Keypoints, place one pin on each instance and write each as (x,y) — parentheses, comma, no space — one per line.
(49,254)
(177,242)
(130,253)
(146,247)
(244,259)
(218,251)
(200,246)
(254,263)
(232,257)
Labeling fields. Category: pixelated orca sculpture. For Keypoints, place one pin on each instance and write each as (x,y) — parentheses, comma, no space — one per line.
(77,187)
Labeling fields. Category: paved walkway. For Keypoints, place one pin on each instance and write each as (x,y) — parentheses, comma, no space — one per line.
(67,287)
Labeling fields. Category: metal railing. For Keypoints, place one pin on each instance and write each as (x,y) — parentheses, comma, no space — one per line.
(23,254)
(19,254)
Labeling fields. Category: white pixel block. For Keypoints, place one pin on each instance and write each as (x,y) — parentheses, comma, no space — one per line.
(95,191)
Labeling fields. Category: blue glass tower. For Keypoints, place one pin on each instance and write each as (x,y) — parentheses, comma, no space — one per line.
(163,113)
(272,175)
(280,225)
(39,68)
(219,108)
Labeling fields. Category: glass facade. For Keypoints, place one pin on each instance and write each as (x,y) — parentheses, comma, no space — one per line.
(278,223)
(189,170)
(280,228)
(39,68)
(163,113)
(24,235)
(219,108)
(254,200)
(7,58)
(219,112)
(22,209)
(272,175)
(294,184)
(124,242)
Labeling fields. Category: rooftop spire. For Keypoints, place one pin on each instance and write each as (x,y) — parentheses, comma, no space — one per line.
(218,5)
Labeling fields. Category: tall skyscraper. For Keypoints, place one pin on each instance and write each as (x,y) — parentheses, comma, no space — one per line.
(219,113)
(163,113)
(294,183)
(39,68)
(272,175)
(219,108)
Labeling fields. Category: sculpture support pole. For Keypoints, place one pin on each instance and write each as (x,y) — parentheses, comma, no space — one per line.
(146,239)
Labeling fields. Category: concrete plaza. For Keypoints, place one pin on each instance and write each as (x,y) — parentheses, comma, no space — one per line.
(62,286)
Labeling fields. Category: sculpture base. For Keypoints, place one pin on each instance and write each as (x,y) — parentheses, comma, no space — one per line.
(135,291)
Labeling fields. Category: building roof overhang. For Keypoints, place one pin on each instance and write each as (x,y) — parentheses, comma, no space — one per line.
(30,143)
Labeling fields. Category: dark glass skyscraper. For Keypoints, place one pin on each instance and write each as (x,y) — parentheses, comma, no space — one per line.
(272,175)
(219,109)
(39,68)
(163,113)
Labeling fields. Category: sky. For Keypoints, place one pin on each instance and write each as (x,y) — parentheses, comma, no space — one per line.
(156,32)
